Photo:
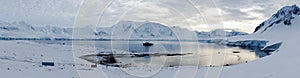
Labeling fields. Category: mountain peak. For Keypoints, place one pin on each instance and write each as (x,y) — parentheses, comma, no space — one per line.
(284,15)
(287,11)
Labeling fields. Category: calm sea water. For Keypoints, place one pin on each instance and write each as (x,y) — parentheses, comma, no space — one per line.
(203,54)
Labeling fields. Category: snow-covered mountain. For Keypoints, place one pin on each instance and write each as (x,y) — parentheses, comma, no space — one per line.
(121,30)
(281,28)
(25,30)
(152,30)
(280,25)
(142,30)
(220,33)
(284,15)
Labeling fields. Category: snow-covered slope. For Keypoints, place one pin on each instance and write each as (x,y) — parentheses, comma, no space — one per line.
(284,15)
(22,59)
(282,27)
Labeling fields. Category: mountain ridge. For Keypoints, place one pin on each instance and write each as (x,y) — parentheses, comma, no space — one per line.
(121,30)
(283,15)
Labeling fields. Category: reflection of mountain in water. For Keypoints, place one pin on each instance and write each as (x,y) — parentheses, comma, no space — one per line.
(202,53)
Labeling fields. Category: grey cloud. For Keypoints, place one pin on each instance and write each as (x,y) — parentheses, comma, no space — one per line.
(186,13)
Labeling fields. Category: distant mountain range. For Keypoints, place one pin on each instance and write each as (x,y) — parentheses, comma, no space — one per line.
(121,30)
(25,30)
(152,30)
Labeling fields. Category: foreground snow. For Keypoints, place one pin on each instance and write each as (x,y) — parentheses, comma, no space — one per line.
(283,64)
(22,59)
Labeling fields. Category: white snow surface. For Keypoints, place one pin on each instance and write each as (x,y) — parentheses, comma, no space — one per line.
(22,59)
(282,64)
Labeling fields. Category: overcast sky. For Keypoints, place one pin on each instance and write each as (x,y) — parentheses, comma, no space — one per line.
(200,15)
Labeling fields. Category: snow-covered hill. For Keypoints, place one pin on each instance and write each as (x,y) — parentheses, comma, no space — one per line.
(283,27)
(279,24)
(284,15)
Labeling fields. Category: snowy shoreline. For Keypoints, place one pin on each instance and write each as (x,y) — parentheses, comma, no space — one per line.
(23,59)
(28,55)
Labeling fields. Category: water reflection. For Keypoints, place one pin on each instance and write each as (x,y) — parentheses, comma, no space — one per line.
(203,54)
